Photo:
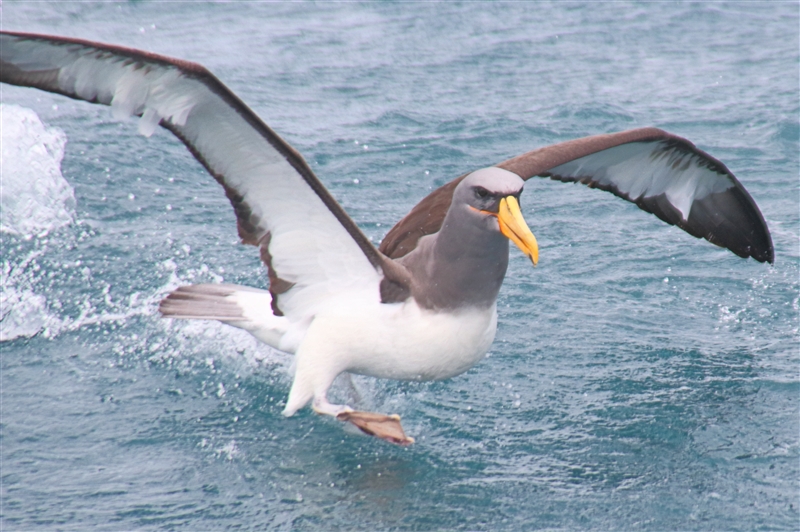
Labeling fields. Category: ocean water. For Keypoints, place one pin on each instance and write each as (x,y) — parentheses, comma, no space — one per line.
(640,379)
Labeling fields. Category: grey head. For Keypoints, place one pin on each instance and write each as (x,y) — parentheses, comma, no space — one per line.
(463,265)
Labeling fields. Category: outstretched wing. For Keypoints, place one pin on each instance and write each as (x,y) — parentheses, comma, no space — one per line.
(309,244)
(661,173)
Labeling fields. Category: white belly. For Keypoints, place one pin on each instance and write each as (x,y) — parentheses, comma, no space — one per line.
(401,341)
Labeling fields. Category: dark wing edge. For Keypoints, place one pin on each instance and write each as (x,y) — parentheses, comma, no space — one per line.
(47,81)
(728,218)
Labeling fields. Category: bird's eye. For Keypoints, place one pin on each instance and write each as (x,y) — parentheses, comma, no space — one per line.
(481,192)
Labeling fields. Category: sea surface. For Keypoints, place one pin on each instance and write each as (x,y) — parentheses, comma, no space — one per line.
(641,379)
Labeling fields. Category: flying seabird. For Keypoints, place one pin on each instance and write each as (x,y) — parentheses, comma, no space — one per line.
(423,305)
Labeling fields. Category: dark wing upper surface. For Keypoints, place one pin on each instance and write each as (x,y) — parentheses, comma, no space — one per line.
(310,245)
(661,173)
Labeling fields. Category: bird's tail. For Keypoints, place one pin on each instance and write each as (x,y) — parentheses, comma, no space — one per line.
(240,306)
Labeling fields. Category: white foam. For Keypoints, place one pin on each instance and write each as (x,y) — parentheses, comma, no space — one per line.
(22,313)
(34,196)
(25,312)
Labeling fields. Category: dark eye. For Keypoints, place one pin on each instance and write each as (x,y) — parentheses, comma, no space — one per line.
(481,192)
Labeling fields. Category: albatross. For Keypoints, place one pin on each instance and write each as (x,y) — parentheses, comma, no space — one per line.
(422,306)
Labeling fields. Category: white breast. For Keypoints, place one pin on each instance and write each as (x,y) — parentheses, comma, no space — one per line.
(401,340)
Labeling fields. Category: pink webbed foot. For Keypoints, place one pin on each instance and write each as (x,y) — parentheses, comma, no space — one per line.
(381,426)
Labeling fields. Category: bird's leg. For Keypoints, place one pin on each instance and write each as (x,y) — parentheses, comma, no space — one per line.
(312,378)
(323,407)
(379,425)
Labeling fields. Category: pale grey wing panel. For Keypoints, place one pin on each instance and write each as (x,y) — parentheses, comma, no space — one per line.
(682,186)
(312,248)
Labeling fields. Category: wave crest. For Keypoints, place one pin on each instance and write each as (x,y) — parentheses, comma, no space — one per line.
(34,196)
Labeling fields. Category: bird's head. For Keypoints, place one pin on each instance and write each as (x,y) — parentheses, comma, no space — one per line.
(491,198)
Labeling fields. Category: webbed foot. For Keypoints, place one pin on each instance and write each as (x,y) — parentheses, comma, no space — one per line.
(381,426)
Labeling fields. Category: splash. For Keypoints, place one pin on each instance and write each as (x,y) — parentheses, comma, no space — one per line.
(28,307)
(23,313)
(34,196)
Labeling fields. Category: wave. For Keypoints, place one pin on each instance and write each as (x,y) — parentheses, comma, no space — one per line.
(34,196)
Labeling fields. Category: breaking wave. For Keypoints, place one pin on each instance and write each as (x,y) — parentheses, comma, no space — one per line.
(34,196)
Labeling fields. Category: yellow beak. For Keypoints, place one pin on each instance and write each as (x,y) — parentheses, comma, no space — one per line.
(513,226)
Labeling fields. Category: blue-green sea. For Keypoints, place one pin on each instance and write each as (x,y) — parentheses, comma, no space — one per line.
(641,379)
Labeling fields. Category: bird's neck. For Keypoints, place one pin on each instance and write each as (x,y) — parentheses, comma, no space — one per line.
(461,266)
